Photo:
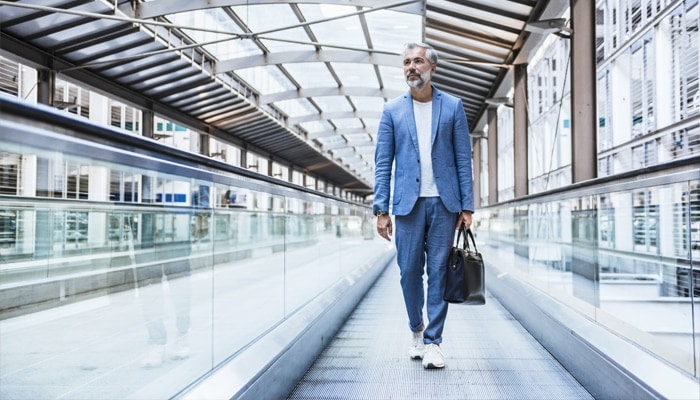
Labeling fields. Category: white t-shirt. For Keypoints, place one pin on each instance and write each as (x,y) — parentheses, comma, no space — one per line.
(423,113)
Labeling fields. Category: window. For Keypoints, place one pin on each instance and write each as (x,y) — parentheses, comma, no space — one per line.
(71,98)
(642,77)
(685,41)
(9,77)
(76,181)
(125,117)
(9,175)
(123,186)
(605,112)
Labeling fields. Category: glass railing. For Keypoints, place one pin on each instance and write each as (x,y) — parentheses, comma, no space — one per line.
(622,250)
(127,274)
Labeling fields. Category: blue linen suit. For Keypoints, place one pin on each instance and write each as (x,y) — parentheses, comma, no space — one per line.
(425,226)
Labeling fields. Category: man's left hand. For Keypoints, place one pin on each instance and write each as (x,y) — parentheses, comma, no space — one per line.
(465,217)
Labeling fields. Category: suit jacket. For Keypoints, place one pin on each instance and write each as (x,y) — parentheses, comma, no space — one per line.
(397,142)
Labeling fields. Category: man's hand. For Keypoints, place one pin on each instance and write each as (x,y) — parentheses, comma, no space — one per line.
(465,217)
(384,227)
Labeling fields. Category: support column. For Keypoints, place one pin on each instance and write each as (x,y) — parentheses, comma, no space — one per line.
(147,118)
(204,144)
(584,159)
(521,184)
(585,277)
(476,171)
(46,86)
(520,131)
(492,137)
(244,158)
(147,194)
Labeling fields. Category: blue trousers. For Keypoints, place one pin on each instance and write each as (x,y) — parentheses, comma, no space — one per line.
(423,241)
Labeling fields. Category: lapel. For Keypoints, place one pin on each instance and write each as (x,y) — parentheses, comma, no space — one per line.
(411,118)
(437,97)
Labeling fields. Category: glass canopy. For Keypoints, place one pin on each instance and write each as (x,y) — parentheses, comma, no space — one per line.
(302,82)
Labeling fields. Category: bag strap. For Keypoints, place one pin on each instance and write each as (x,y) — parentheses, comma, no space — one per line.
(465,241)
(471,235)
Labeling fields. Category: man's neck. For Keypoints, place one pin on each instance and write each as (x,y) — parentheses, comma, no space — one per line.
(422,94)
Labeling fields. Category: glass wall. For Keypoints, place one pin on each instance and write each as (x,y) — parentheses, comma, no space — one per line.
(126,276)
(20,81)
(625,254)
(648,94)
(648,69)
(549,113)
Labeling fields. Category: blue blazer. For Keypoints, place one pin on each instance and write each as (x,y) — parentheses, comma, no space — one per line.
(397,142)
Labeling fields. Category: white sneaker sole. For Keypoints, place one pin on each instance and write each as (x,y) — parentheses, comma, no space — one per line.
(433,365)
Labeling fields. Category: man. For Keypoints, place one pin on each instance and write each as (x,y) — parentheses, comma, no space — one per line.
(425,133)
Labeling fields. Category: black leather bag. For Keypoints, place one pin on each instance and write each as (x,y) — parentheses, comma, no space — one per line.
(464,282)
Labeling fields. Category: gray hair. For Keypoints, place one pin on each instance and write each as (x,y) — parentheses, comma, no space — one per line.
(430,53)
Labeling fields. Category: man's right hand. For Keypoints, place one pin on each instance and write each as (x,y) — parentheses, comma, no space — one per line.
(384,226)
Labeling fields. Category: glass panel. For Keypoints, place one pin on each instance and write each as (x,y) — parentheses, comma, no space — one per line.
(331,140)
(357,138)
(272,21)
(340,32)
(316,126)
(356,75)
(311,75)
(296,107)
(393,77)
(333,103)
(624,258)
(266,79)
(216,19)
(347,123)
(369,103)
(390,30)
(162,277)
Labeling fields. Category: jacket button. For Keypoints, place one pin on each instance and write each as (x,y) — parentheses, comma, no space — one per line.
(417,180)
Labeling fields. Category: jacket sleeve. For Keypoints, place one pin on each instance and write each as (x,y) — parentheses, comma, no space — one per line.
(463,157)
(383,161)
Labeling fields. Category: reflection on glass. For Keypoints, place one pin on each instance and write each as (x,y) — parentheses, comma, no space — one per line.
(625,258)
(134,282)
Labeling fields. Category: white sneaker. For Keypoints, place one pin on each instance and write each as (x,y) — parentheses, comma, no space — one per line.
(153,357)
(417,347)
(433,357)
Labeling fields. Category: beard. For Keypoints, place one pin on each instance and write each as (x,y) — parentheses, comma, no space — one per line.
(420,82)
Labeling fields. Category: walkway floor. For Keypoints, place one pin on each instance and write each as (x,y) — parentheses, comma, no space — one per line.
(488,354)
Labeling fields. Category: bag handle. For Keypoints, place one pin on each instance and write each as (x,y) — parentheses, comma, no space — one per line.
(467,235)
